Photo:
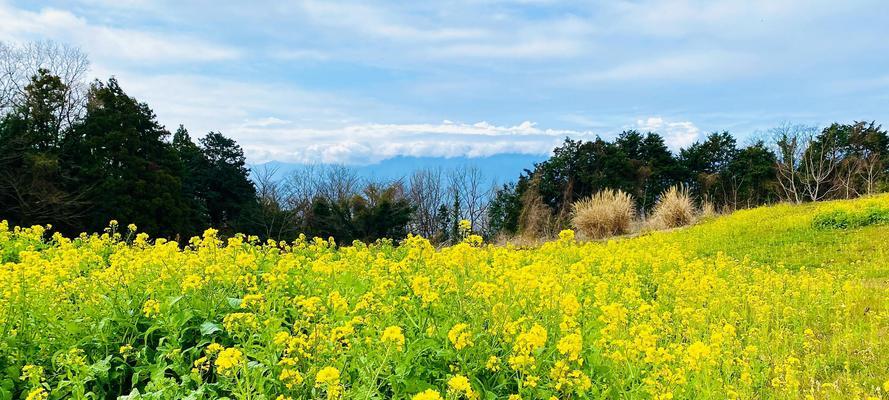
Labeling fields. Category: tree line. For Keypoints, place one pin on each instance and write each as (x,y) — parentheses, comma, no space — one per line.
(76,154)
(793,163)
(334,201)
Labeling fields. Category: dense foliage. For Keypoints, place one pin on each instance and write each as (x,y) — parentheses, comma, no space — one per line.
(115,160)
(75,162)
(759,304)
(842,161)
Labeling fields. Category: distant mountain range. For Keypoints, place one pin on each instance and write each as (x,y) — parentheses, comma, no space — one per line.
(500,168)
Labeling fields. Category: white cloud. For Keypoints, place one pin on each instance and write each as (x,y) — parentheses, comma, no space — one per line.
(450,36)
(677,134)
(711,65)
(294,125)
(368,20)
(725,19)
(266,122)
(205,103)
(106,44)
(369,143)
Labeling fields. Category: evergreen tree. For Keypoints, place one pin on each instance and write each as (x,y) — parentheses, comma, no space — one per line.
(35,187)
(704,166)
(751,176)
(505,208)
(224,181)
(377,213)
(134,176)
(194,169)
(654,166)
(455,218)
(444,224)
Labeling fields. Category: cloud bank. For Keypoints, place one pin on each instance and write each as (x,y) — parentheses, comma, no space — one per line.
(273,139)
(358,81)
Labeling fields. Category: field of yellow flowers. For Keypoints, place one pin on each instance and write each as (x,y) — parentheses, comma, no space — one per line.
(780,302)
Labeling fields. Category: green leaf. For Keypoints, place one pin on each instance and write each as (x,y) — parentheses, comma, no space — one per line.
(13,372)
(416,385)
(173,300)
(208,328)
(234,302)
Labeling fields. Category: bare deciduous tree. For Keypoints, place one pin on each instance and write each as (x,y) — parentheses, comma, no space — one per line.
(337,183)
(819,162)
(861,166)
(466,182)
(275,216)
(36,199)
(426,192)
(873,171)
(789,151)
(18,63)
(848,173)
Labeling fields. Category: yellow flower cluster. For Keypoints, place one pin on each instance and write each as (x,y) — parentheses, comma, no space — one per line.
(460,336)
(427,394)
(393,335)
(758,304)
(228,360)
(329,379)
(151,308)
(459,385)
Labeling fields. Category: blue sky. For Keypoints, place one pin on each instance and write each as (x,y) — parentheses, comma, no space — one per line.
(358,82)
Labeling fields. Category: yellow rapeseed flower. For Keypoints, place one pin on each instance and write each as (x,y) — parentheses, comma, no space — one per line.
(393,335)
(459,385)
(37,394)
(571,346)
(428,394)
(151,308)
(460,336)
(327,376)
(228,360)
(291,378)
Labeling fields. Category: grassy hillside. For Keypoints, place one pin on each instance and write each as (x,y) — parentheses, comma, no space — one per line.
(776,302)
(784,235)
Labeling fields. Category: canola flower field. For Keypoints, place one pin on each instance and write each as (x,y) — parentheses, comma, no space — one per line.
(781,302)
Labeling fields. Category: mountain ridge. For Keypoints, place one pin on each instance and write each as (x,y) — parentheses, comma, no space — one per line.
(496,169)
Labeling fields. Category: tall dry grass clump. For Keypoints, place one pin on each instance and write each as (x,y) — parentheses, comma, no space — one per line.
(536,219)
(708,210)
(606,213)
(674,208)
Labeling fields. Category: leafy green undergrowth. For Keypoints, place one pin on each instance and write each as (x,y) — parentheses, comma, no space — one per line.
(851,218)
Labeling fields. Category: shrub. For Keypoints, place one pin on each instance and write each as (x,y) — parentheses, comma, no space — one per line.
(535,219)
(708,210)
(674,208)
(847,219)
(606,213)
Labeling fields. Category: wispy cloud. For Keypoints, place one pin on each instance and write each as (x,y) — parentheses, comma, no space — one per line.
(106,43)
(677,134)
(690,67)
(369,20)
(349,80)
